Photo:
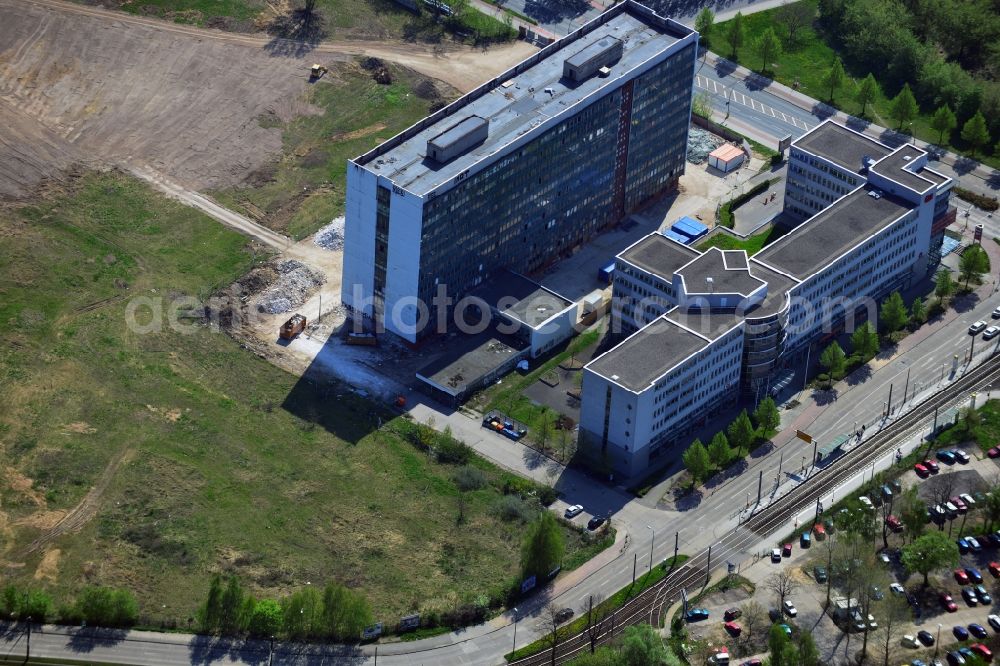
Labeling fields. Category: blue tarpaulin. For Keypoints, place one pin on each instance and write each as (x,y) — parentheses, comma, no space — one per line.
(673,235)
(690,228)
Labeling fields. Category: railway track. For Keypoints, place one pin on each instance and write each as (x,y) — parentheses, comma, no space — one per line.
(651,604)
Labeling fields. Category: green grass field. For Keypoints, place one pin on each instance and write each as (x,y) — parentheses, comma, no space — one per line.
(304,188)
(805,63)
(216,475)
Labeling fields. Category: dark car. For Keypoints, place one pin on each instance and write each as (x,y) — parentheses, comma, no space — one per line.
(974,575)
(820,574)
(955,658)
(969,596)
(595,522)
(994,452)
(977,630)
(564,614)
(786,550)
(931,466)
(925,637)
(961,633)
(732,614)
(961,456)
(983,596)
(946,457)
(696,615)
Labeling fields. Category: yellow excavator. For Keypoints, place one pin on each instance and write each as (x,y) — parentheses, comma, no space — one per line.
(316,71)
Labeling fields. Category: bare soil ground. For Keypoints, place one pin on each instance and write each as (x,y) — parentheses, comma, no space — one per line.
(106,87)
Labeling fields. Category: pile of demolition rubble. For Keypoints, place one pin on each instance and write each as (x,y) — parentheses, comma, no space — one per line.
(331,237)
(700,144)
(291,288)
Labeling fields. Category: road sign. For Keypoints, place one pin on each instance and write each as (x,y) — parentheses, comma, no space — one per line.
(804,436)
(527,584)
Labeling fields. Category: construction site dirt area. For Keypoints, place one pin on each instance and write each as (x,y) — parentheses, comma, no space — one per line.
(84,84)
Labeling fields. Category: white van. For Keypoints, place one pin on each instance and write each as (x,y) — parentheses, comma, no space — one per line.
(720,658)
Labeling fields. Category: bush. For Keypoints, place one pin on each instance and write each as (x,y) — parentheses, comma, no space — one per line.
(512,507)
(16,603)
(977,200)
(106,607)
(451,451)
(470,478)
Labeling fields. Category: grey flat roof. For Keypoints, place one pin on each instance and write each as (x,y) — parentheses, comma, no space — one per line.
(894,167)
(523,104)
(469,359)
(452,135)
(841,146)
(778,285)
(829,233)
(659,255)
(646,355)
(726,279)
(709,324)
(933,176)
(521,298)
(585,54)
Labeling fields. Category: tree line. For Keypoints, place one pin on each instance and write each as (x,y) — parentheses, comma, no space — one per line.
(99,606)
(733,443)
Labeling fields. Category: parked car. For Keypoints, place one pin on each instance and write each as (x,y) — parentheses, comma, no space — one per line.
(574,511)
(909,641)
(932,466)
(893,523)
(969,596)
(974,575)
(595,522)
(996,312)
(752,662)
(866,502)
(963,545)
(978,630)
(969,500)
(786,550)
(982,651)
(819,531)
(805,540)
(921,470)
(876,593)
(696,615)
(959,504)
(732,614)
(952,510)
(994,452)
(776,555)
(564,614)
(961,633)
(961,577)
(977,327)
(896,588)
(983,595)
(947,602)
(955,658)
(785,628)
(946,457)
(925,637)
(789,608)
(938,513)
(733,628)
(994,568)
(994,621)
(974,544)
(819,573)
(961,456)
(991,332)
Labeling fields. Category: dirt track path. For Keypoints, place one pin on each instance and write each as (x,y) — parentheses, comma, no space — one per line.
(460,66)
(83,512)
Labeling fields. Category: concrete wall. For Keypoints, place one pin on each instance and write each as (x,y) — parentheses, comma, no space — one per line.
(359,240)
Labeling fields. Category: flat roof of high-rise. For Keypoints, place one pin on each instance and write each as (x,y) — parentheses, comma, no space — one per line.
(828,234)
(523,97)
(898,167)
(842,146)
(659,255)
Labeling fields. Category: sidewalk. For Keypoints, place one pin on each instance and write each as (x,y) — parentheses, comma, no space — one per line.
(810,105)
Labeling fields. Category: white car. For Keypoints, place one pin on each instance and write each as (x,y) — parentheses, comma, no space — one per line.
(574,511)
(897,589)
(996,313)
(973,543)
(977,327)
(909,641)
(991,332)
(994,621)
(776,555)
(790,609)
(872,624)
(867,502)
(968,499)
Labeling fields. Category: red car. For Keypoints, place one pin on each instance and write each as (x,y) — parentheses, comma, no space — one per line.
(982,651)
(995,569)
(959,504)
(786,550)
(994,452)
(921,471)
(893,523)
(961,577)
(733,628)
(931,466)
(947,602)
(819,531)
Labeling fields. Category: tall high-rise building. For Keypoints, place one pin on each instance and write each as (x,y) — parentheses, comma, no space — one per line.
(521,170)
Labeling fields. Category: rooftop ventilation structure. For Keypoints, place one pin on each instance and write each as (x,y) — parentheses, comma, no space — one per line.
(458,138)
(588,61)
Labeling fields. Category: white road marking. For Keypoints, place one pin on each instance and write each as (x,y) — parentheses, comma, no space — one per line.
(732,95)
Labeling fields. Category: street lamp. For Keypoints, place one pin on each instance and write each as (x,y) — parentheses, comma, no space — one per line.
(270,654)
(652,538)
(937,642)
(514,647)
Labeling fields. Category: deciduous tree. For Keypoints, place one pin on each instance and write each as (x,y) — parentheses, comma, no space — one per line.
(740,433)
(868,92)
(718,450)
(767,418)
(543,547)
(975,132)
(768,47)
(833,359)
(795,16)
(944,285)
(704,23)
(903,107)
(697,461)
(894,313)
(918,311)
(783,585)
(943,121)
(930,552)
(973,264)
(864,341)
(736,34)
(834,77)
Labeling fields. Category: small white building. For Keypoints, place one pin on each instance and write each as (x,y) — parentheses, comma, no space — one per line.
(726,157)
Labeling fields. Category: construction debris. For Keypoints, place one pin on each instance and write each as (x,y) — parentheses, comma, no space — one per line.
(700,144)
(331,237)
(295,282)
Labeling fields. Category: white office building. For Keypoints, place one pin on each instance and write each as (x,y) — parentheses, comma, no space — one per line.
(706,329)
